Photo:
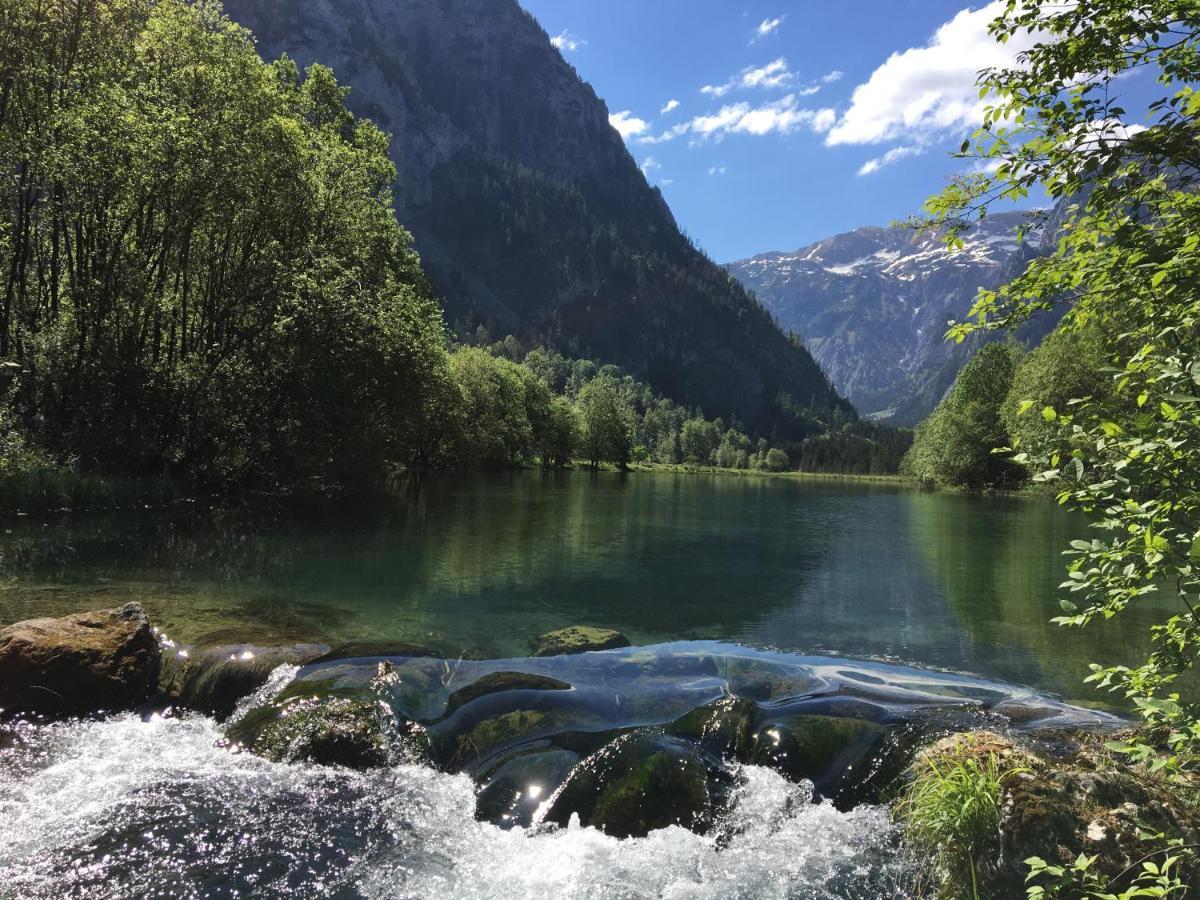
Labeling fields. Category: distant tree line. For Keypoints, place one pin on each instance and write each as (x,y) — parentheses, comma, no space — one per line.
(539,405)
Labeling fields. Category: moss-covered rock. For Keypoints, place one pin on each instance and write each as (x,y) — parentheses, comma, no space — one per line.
(821,749)
(500,682)
(638,783)
(578,639)
(314,721)
(99,661)
(213,680)
(723,730)
(1058,806)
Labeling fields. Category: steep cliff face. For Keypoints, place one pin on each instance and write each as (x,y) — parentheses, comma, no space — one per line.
(872,305)
(530,214)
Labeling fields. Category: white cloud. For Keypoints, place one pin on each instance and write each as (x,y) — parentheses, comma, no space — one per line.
(669,106)
(717,170)
(567,41)
(766,27)
(925,90)
(784,116)
(627,124)
(893,155)
(774,74)
(649,164)
(832,76)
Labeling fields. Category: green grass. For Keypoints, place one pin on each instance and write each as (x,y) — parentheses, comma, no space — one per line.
(951,812)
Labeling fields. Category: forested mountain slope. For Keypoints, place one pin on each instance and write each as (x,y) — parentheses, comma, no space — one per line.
(530,214)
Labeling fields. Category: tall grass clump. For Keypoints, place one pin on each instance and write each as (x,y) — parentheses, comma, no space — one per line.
(950,812)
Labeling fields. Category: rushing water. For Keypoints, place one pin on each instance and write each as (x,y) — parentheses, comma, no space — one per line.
(139,806)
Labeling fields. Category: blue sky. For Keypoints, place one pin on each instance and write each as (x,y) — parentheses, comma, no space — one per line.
(792,119)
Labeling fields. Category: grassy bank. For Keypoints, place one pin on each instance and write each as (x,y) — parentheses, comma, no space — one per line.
(686,468)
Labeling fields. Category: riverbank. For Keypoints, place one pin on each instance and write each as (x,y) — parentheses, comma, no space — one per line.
(690,469)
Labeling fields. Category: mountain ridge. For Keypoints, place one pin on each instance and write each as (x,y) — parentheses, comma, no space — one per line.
(529,212)
(872,305)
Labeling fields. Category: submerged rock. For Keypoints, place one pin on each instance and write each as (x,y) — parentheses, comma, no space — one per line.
(100,661)
(637,783)
(578,639)
(361,649)
(511,793)
(499,682)
(818,748)
(215,679)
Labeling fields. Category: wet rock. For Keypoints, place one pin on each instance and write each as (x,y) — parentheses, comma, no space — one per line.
(99,661)
(364,649)
(215,679)
(314,721)
(822,749)
(463,750)
(512,792)
(722,730)
(332,731)
(499,682)
(578,639)
(637,783)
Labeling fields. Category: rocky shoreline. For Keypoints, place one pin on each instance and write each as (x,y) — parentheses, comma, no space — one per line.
(626,740)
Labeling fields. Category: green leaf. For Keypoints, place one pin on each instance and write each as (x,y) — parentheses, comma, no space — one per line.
(1049,414)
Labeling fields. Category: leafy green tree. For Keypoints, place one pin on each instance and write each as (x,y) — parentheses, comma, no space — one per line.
(776,460)
(605,432)
(1128,263)
(496,427)
(1069,364)
(953,447)
(699,440)
(202,271)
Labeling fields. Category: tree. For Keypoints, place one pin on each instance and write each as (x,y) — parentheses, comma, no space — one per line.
(203,274)
(1128,263)
(776,460)
(953,447)
(604,422)
(1069,364)
(496,428)
(699,440)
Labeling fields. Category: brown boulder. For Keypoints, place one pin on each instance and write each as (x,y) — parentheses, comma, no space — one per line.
(99,661)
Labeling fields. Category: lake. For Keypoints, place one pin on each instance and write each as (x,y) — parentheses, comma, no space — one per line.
(803,594)
(482,564)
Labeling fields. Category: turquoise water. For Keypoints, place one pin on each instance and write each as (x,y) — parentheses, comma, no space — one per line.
(483,564)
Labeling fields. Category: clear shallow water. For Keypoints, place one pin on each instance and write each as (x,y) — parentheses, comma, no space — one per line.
(483,564)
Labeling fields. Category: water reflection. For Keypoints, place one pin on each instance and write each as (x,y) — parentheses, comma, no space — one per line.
(485,563)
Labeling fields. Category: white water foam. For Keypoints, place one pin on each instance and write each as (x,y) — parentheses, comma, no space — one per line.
(132,808)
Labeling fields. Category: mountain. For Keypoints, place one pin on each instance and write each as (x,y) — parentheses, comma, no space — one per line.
(530,214)
(872,306)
